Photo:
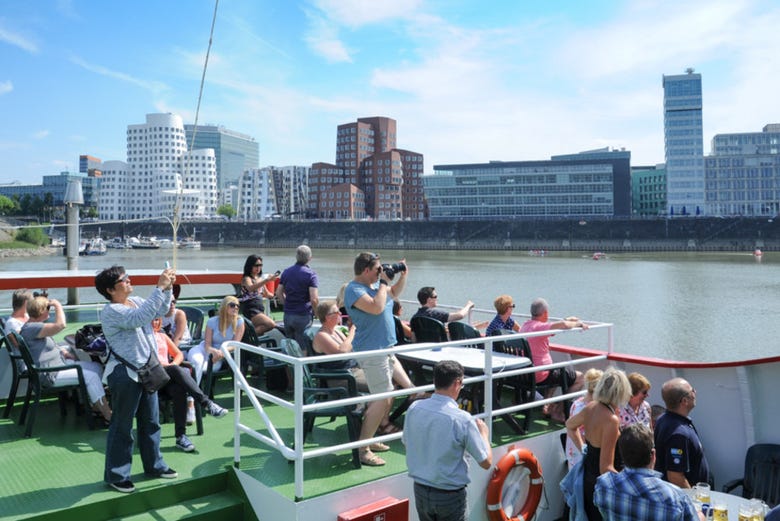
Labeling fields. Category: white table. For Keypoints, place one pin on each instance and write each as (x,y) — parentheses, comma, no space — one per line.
(473,362)
(731,501)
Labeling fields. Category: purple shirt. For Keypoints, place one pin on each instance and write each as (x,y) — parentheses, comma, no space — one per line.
(297,279)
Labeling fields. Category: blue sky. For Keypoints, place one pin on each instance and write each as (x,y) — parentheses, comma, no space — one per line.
(467,80)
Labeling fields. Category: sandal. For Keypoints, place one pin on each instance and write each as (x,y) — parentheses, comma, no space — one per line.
(389,428)
(379,447)
(370,459)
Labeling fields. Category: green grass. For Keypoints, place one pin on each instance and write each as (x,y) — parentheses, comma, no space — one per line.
(16,245)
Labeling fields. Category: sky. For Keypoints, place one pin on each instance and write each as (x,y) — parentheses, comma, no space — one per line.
(468,81)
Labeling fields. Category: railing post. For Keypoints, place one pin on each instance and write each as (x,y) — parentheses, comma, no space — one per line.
(298,397)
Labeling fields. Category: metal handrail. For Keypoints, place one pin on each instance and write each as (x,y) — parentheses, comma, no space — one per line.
(232,352)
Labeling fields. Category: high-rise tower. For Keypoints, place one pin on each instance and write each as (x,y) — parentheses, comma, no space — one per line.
(684,144)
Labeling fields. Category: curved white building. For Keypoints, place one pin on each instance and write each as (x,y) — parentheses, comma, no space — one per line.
(158,164)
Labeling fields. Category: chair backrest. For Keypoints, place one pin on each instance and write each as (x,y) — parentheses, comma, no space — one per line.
(762,473)
(400,337)
(428,329)
(308,340)
(250,335)
(194,322)
(462,331)
(293,348)
(17,342)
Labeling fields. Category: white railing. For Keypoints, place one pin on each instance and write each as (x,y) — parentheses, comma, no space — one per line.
(233,353)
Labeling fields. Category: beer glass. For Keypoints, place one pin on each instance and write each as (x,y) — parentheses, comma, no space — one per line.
(703,492)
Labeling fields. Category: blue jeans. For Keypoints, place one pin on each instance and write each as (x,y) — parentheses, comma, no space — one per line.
(128,401)
(440,505)
(295,325)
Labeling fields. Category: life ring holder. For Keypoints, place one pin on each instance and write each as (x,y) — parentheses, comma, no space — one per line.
(514,458)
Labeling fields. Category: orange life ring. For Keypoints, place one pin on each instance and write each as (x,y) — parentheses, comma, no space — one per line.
(515,458)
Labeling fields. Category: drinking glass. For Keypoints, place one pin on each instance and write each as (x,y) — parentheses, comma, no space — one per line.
(745,512)
(703,492)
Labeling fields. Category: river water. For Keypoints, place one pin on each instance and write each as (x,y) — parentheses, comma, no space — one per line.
(698,306)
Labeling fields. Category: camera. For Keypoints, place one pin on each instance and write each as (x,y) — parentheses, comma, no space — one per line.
(42,293)
(391,269)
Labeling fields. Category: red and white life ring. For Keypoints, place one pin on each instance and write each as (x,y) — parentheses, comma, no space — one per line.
(501,500)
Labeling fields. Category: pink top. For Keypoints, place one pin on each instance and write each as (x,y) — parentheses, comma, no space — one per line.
(540,346)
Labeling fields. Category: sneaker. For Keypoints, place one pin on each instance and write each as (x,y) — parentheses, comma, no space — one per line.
(125,486)
(168,473)
(216,410)
(184,443)
(190,411)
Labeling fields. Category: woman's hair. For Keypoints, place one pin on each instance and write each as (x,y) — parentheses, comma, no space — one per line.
(638,383)
(340,297)
(37,306)
(323,308)
(502,303)
(592,377)
(250,263)
(613,388)
(396,307)
(226,320)
(107,279)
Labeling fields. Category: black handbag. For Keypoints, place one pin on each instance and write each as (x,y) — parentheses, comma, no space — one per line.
(152,375)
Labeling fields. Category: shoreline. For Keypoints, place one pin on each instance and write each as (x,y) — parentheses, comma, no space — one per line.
(29,252)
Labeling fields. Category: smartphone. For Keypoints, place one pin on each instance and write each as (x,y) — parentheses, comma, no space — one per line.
(277,273)
(167,265)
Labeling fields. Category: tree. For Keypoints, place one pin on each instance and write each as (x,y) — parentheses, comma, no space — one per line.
(7,206)
(226,210)
(33,236)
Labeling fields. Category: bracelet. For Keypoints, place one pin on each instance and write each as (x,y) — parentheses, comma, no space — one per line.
(383,282)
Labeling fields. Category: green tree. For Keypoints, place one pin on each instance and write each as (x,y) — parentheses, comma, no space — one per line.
(7,205)
(32,236)
(226,210)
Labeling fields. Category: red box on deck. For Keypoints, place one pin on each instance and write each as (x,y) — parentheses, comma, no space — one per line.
(387,509)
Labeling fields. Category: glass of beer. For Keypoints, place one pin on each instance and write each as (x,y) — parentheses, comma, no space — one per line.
(720,512)
(759,509)
(745,512)
(703,492)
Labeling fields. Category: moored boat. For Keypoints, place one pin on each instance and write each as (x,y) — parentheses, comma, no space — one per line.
(144,243)
(189,243)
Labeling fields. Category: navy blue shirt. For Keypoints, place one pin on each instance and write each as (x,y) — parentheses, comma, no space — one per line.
(678,448)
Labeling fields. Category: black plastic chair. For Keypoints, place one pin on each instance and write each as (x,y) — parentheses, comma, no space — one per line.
(400,337)
(762,474)
(463,331)
(428,329)
(18,370)
(525,385)
(264,364)
(194,324)
(37,385)
(315,390)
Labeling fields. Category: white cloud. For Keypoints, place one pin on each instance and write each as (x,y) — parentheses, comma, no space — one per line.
(155,87)
(322,37)
(356,13)
(41,134)
(6,87)
(19,40)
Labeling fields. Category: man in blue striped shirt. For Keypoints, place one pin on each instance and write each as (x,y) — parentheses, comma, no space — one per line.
(638,493)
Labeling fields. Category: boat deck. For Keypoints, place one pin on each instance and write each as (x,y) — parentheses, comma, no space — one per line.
(61,466)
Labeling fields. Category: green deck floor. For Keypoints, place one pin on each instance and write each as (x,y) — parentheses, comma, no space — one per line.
(62,464)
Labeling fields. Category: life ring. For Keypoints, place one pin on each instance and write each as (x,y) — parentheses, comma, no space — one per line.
(515,458)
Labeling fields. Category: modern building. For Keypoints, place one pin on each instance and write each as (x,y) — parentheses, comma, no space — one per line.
(235,152)
(590,184)
(291,189)
(387,179)
(159,174)
(648,190)
(743,173)
(256,195)
(90,165)
(55,185)
(684,144)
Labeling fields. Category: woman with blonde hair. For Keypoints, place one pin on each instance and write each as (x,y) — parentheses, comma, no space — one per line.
(592,377)
(602,429)
(226,325)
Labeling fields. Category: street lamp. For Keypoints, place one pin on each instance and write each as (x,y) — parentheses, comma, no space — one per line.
(73,198)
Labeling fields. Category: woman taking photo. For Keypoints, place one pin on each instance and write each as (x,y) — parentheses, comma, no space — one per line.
(226,325)
(602,429)
(253,291)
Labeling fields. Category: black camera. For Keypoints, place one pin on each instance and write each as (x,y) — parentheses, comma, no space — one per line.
(45,293)
(391,269)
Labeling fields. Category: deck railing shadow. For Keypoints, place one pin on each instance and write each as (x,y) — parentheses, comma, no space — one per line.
(298,454)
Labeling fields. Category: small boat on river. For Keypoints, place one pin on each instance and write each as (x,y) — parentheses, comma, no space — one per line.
(144,243)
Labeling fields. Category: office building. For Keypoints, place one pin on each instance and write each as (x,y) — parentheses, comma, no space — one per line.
(235,152)
(684,145)
(256,200)
(648,190)
(591,184)
(387,180)
(53,189)
(158,172)
(743,173)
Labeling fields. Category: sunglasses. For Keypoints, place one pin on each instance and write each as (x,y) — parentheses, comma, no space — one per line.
(259,265)
(232,305)
(123,278)
(337,312)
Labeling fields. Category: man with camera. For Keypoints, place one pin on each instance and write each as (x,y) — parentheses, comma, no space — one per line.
(428,300)
(368,299)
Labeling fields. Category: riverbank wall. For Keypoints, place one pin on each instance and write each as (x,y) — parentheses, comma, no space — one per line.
(683,234)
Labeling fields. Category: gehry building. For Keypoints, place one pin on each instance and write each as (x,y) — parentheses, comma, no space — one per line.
(158,164)
(256,199)
(371,178)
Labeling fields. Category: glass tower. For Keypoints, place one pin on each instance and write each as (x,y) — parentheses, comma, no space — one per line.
(684,144)
(235,151)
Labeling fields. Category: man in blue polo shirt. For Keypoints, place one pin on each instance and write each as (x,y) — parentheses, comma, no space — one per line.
(298,292)
(679,454)
(439,469)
